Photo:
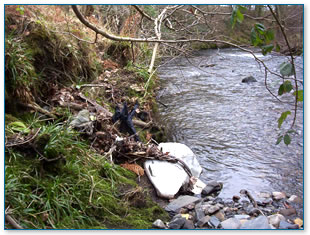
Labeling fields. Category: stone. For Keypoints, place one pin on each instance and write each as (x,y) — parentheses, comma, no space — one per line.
(264,195)
(220,215)
(278,195)
(159,224)
(241,217)
(231,223)
(275,219)
(261,222)
(295,199)
(190,206)
(249,79)
(267,201)
(288,212)
(203,221)
(199,212)
(212,209)
(176,223)
(285,225)
(181,201)
(236,198)
(183,210)
(212,187)
(188,225)
(214,222)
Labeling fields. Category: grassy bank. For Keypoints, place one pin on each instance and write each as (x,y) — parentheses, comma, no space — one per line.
(57,177)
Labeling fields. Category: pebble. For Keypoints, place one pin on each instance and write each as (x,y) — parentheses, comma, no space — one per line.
(261,222)
(236,198)
(214,222)
(231,223)
(212,187)
(275,220)
(212,209)
(188,225)
(203,221)
(288,212)
(285,225)
(159,224)
(177,223)
(240,217)
(220,215)
(299,222)
(295,199)
(278,195)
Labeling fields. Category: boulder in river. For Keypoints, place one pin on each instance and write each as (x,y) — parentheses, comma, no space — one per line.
(212,187)
(249,79)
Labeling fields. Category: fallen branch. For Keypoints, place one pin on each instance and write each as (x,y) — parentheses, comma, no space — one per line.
(37,108)
(252,200)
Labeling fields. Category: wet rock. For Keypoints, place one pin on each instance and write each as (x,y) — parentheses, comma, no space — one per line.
(203,221)
(231,223)
(236,198)
(249,79)
(275,220)
(264,195)
(288,212)
(295,199)
(278,195)
(212,187)
(285,225)
(260,222)
(180,202)
(188,225)
(199,212)
(214,222)
(177,222)
(212,209)
(220,215)
(159,224)
(242,217)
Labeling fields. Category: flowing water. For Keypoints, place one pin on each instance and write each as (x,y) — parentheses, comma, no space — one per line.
(232,126)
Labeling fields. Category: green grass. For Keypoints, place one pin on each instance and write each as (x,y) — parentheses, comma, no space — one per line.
(79,191)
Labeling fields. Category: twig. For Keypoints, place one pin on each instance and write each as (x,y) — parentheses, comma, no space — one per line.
(30,139)
(92,188)
(12,222)
(37,108)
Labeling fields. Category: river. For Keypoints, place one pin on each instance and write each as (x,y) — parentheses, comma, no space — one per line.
(232,126)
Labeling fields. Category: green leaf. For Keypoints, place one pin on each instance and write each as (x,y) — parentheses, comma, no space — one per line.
(19,126)
(282,118)
(286,69)
(281,90)
(240,16)
(266,49)
(279,139)
(260,28)
(269,35)
(287,139)
(278,48)
(253,37)
(300,95)
(233,18)
(287,86)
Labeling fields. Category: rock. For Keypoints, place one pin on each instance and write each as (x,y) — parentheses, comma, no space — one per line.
(267,201)
(288,212)
(212,209)
(183,210)
(199,212)
(190,206)
(249,79)
(220,215)
(181,201)
(159,224)
(260,222)
(241,217)
(231,223)
(214,222)
(176,223)
(295,199)
(285,225)
(299,222)
(278,195)
(236,198)
(264,195)
(203,221)
(275,220)
(212,187)
(188,225)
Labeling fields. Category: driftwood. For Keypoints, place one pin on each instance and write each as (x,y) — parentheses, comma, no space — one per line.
(252,200)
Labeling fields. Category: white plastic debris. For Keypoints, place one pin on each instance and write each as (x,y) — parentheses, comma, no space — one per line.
(169,177)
